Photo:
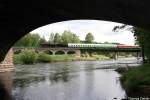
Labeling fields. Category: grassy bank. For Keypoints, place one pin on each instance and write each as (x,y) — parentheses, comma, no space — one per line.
(136,81)
(30,57)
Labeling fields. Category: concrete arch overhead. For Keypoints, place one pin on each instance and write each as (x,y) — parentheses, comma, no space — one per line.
(18,17)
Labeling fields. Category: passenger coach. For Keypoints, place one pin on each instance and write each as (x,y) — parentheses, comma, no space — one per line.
(78,45)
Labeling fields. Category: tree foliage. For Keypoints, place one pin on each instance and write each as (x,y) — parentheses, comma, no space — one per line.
(89,38)
(57,38)
(30,40)
(142,37)
(69,37)
(51,38)
(42,40)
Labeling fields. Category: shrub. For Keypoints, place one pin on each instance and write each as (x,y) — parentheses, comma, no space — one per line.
(16,59)
(28,56)
(134,79)
(43,57)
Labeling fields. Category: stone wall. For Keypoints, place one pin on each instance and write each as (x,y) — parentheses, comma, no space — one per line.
(7,63)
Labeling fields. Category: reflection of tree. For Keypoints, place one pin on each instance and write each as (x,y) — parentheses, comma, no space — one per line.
(25,82)
(60,74)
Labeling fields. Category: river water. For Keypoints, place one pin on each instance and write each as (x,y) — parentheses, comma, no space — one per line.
(78,80)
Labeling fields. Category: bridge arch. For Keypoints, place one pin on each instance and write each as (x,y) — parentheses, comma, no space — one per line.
(17,21)
(71,52)
(60,52)
(17,51)
(50,52)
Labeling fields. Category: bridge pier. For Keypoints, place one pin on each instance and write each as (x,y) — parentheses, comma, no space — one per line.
(66,52)
(116,55)
(78,53)
(6,82)
(7,63)
(53,52)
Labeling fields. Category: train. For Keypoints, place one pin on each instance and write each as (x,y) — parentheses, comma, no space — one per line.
(84,45)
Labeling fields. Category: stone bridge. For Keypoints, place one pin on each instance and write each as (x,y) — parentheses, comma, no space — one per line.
(7,63)
(52,50)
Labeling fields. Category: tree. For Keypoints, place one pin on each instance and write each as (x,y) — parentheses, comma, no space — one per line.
(89,38)
(66,37)
(57,38)
(69,37)
(30,40)
(106,42)
(42,40)
(75,38)
(142,37)
(51,38)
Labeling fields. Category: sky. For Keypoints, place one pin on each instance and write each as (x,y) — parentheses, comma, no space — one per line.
(102,30)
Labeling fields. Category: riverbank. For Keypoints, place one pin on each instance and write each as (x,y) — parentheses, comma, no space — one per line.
(30,57)
(136,81)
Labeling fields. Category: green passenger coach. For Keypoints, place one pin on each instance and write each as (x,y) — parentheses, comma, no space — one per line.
(103,45)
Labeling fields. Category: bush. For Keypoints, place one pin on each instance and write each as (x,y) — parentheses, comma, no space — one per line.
(56,58)
(43,57)
(16,59)
(136,78)
(28,56)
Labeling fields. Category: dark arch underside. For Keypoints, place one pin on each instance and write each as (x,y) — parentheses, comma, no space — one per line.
(18,17)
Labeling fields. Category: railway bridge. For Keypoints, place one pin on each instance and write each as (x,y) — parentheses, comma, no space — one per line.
(7,64)
(52,51)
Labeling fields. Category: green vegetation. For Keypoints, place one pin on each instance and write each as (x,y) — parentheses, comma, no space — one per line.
(142,38)
(89,38)
(30,57)
(46,58)
(66,37)
(69,37)
(43,57)
(30,40)
(25,57)
(136,81)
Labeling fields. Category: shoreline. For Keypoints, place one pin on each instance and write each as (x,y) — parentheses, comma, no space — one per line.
(68,60)
(136,80)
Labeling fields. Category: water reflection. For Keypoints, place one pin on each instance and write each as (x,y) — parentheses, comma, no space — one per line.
(5,85)
(61,74)
(79,80)
(25,82)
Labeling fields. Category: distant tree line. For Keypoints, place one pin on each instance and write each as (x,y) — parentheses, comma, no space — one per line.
(66,37)
(34,40)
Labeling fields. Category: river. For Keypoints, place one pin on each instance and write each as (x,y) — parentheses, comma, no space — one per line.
(77,80)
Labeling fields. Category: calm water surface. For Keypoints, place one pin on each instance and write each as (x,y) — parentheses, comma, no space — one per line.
(79,80)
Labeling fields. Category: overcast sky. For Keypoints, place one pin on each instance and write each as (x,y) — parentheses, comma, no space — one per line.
(101,30)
